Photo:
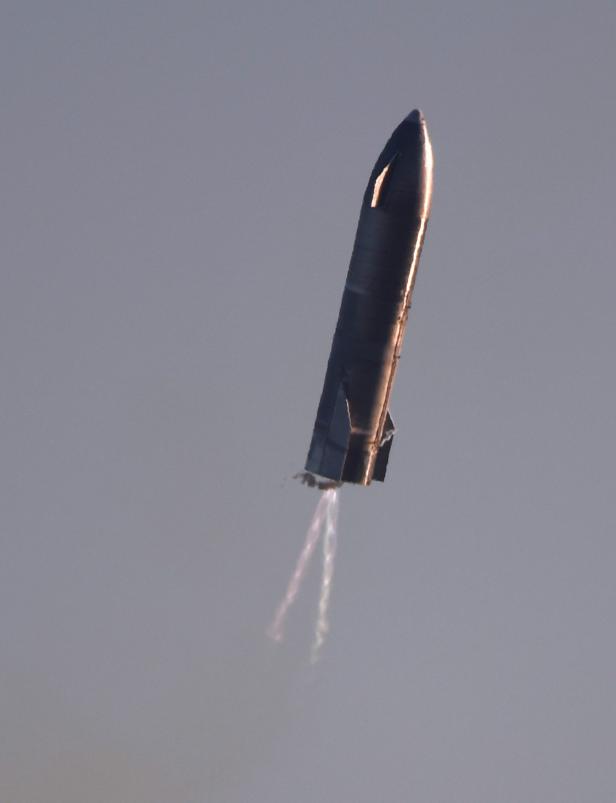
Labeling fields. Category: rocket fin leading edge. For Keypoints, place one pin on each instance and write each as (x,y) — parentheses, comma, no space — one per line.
(380,465)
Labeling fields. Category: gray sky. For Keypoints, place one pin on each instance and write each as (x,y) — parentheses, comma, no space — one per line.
(181,188)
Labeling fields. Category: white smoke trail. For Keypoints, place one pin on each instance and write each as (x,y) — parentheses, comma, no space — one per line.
(329,555)
(276,630)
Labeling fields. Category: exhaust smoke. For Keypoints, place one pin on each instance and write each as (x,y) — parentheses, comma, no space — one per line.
(324,522)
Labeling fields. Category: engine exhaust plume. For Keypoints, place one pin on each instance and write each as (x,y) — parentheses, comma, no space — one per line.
(329,555)
(324,521)
(276,629)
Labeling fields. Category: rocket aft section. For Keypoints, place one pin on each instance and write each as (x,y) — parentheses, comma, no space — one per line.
(353,431)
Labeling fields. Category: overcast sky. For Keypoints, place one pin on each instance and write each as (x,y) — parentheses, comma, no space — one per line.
(181,184)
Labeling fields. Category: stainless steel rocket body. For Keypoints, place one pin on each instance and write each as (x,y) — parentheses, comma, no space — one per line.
(353,429)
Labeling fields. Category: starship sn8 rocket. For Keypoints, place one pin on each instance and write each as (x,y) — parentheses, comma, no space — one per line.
(353,431)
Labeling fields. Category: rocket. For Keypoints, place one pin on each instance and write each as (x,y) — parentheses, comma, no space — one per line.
(354,429)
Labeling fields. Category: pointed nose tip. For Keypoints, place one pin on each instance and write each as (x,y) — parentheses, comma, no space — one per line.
(416,117)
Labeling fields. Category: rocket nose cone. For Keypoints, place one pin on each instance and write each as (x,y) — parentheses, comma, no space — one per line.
(416,117)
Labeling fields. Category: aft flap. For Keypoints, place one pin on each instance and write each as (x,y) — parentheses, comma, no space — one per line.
(334,446)
(380,464)
(388,429)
